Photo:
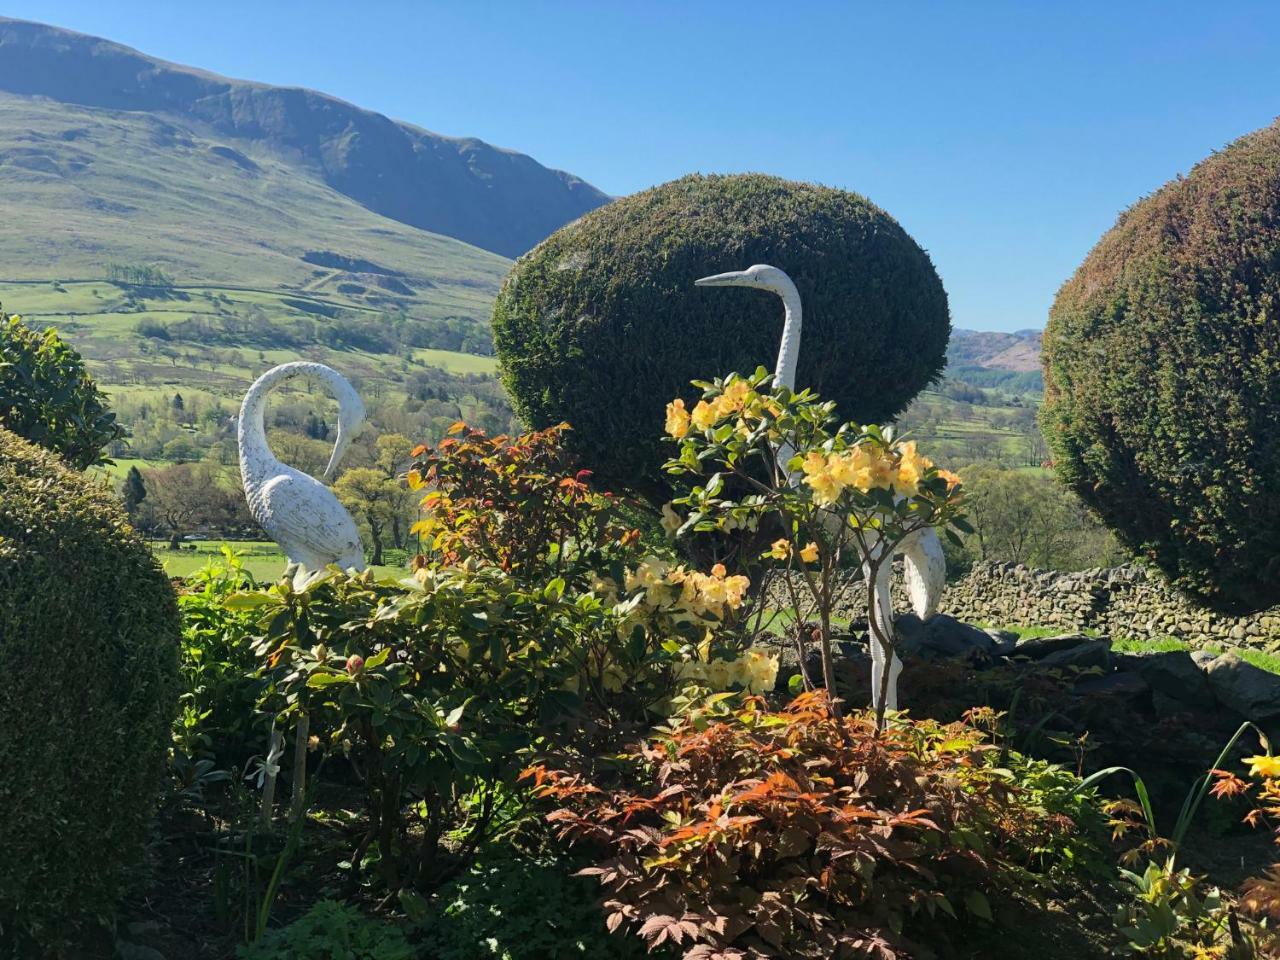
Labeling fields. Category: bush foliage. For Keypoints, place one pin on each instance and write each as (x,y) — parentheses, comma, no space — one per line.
(601,324)
(1162,377)
(801,834)
(88,639)
(47,397)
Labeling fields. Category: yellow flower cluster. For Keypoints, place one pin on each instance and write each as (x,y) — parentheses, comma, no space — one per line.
(737,399)
(866,467)
(782,549)
(1264,766)
(753,671)
(670,587)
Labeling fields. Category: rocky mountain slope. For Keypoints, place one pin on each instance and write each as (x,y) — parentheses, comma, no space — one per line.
(493,198)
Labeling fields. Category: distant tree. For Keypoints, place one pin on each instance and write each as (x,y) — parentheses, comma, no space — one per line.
(134,491)
(175,496)
(309,456)
(1029,518)
(178,403)
(372,497)
(47,397)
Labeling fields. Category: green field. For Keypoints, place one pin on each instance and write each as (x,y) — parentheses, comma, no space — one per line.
(261,558)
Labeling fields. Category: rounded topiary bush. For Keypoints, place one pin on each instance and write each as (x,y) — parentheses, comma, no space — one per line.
(601,324)
(88,654)
(1162,377)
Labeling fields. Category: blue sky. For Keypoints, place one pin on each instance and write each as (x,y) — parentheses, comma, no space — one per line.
(1005,137)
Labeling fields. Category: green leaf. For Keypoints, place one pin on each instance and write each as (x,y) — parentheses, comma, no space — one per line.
(248,601)
(976,903)
(321,679)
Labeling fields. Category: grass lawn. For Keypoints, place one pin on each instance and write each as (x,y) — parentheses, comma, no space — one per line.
(1259,658)
(262,558)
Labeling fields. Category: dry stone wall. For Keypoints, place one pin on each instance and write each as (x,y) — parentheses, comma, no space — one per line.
(1120,602)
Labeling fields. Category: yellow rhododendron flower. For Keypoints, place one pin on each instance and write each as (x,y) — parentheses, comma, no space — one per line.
(953,480)
(677,419)
(704,415)
(670,519)
(1264,766)
(818,475)
(911,470)
(810,553)
(735,398)
(781,549)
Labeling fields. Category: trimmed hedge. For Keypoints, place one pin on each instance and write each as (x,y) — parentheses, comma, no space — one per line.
(89,634)
(47,396)
(601,324)
(1162,377)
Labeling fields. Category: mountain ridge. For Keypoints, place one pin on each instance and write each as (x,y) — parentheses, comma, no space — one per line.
(492,197)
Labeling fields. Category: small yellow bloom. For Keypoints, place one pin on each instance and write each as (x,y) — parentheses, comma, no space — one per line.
(704,415)
(810,553)
(677,419)
(781,549)
(1264,766)
(735,398)
(718,571)
(670,519)
(736,588)
(820,476)
(953,480)
(911,470)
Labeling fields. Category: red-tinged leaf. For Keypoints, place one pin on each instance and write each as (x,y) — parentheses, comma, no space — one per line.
(613,922)
(657,928)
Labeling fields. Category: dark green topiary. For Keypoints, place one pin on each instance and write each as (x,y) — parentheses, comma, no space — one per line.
(48,397)
(88,678)
(1162,377)
(601,325)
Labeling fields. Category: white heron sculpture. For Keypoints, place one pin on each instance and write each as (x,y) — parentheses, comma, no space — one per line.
(298,511)
(922,558)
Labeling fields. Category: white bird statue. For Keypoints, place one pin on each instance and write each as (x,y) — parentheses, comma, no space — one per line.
(297,511)
(923,561)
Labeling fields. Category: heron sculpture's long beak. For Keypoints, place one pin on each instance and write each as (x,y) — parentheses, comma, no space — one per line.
(339,451)
(734,278)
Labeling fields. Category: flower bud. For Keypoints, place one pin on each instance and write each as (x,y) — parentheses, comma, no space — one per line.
(355,663)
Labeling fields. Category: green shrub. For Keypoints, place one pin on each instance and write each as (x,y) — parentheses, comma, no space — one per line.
(512,907)
(217,719)
(601,324)
(1162,377)
(47,397)
(88,641)
(332,931)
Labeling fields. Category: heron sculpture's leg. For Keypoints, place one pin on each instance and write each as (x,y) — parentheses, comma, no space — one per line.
(882,611)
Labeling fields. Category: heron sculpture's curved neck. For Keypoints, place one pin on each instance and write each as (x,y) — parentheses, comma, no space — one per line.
(789,351)
(257,462)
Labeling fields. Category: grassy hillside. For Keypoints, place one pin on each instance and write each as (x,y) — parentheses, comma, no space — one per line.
(461,187)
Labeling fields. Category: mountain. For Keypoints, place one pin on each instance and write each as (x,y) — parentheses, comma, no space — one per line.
(185,231)
(493,198)
(1018,352)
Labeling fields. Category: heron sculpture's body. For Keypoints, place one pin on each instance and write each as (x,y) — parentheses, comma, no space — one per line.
(296,510)
(921,552)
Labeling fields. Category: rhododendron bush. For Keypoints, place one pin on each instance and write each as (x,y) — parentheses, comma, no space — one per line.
(839,495)
(742,832)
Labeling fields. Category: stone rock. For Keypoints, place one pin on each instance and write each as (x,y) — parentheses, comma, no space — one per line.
(1249,691)
(1203,658)
(1044,646)
(1174,674)
(1005,640)
(1124,684)
(848,657)
(1091,653)
(940,636)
